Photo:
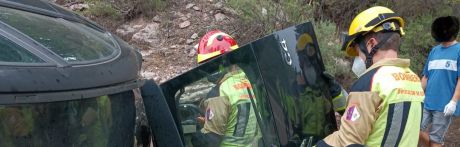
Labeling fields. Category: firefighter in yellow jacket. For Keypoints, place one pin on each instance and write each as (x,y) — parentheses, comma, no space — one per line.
(230,117)
(384,107)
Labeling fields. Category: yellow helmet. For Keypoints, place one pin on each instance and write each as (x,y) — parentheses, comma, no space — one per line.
(374,19)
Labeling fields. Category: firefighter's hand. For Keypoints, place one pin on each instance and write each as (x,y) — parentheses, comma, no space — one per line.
(200,120)
(89,117)
(450,108)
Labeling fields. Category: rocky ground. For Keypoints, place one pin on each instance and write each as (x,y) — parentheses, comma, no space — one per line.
(453,136)
(167,39)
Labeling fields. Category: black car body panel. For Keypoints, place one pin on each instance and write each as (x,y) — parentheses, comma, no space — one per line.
(55,74)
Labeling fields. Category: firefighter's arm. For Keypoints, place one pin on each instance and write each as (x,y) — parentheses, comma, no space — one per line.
(357,122)
(340,101)
(216,115)
(339,95)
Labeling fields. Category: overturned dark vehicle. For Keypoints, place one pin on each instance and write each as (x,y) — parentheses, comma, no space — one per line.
(65,81)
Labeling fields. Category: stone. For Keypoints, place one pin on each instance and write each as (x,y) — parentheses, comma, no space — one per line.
(219,5)
(128,29)
(184,24)
(189,41)
(79,7)
(194,36)
(145,53)
(147,74)
(220,17)
(264,12)
(196,8)
(156,19)
(148,35)
(192,52)
(189,6)
(181,41)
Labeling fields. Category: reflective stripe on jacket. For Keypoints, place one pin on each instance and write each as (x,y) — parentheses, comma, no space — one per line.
(231,114)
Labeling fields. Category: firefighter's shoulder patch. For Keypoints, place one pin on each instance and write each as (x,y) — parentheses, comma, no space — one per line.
(352,113)
(209,114)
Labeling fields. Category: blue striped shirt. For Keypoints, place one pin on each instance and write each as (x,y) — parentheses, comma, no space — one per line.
(441,69)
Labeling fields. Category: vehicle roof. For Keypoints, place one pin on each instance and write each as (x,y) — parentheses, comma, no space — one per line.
(56,76)
(49,9)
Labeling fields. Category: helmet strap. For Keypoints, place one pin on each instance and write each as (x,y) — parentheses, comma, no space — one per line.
(369,56)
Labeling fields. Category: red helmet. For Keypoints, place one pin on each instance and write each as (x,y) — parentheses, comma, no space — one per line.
(213,44)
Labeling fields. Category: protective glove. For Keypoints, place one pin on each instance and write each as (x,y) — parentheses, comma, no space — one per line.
(450,108)
(334,87)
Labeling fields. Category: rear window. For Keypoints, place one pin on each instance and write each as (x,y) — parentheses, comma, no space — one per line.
(11,52)
(71,41)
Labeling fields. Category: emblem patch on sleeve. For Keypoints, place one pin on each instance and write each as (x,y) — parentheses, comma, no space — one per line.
(209,114)
(352,114)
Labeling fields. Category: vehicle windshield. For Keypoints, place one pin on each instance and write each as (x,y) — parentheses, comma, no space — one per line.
(100,121)
(12,52)
(72,41)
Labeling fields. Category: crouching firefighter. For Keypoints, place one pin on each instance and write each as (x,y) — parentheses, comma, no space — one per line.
(230,117)
(384,107)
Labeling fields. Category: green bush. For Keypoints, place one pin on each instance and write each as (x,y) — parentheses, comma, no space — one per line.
(147,7)
(101,8)
(333,16)
(334,59)
(417,42)
(124,9)
(271,15)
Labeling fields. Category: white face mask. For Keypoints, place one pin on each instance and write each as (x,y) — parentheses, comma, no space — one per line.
(359,67)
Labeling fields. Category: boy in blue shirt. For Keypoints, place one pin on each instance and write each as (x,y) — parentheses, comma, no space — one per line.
(441,82)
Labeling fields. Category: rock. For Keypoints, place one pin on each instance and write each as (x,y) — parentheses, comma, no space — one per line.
(192,52)
(230,11)
(205,17)
(220,17)
(184,24)
(194,36)
(128,29)
(219,5)
(189,41)
(156,19)
(264,12)
(181,41)
(173,46)
(149,34)
(196,8)
(79,7)
(183,18)
(145,53)
(189,6)
(148,75)
(178,14)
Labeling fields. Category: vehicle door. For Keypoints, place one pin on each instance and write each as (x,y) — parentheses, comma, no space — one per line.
(290,96)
